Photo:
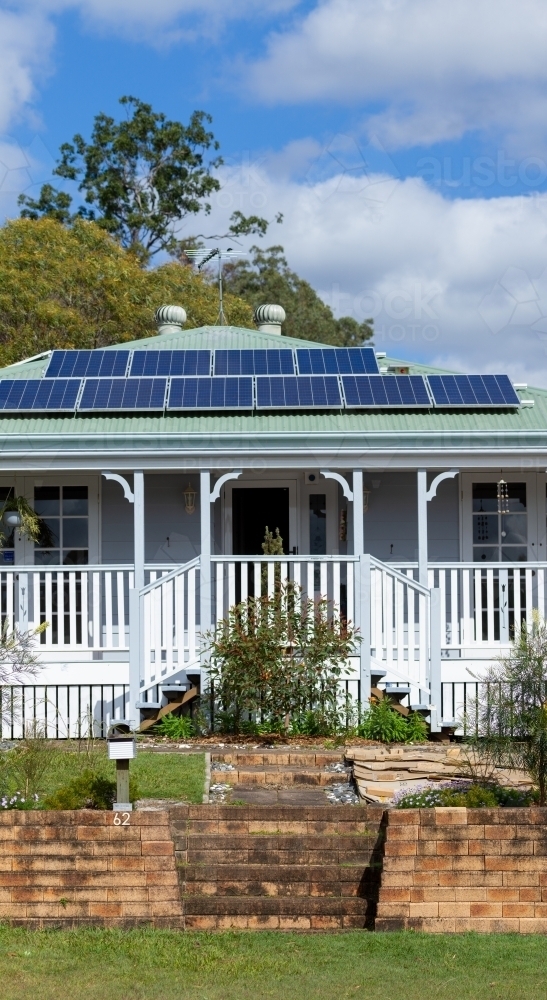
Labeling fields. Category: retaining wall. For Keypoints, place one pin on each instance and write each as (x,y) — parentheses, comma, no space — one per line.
(450,870)
(68,868)
(329,867)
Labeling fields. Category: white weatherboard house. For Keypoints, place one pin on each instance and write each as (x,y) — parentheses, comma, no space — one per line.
(414,499)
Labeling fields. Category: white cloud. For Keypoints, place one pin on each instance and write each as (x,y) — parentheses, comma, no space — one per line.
(435,69)
(25,44)
(166,21)
(460,283)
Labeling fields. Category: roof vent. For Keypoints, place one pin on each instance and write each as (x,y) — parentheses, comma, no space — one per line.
(170,319)
(269,318)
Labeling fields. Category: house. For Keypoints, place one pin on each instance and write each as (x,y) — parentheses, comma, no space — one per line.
(413,499)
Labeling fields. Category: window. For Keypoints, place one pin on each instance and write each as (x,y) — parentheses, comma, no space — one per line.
(7,552)
(65,539)
(499,537)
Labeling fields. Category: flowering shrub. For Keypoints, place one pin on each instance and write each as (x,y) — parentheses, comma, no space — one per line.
(460,792)
(18,801)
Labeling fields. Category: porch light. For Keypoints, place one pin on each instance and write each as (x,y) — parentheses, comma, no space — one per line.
(503,497)
(366,495)
(189,495)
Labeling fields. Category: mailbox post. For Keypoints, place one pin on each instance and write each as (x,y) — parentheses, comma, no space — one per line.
(122,748)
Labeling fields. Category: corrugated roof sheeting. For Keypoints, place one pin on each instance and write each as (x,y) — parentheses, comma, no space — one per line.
(274,428)
(288,423)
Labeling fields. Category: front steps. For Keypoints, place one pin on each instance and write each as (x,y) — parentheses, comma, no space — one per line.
(278,767)
(254,867)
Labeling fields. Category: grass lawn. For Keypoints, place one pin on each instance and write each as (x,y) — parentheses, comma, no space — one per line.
(158,775)
(164,965)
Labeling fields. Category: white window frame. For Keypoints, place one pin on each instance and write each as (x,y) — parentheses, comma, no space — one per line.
(535,505)
(24,549)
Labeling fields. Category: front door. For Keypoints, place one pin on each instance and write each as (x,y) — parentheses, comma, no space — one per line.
(253,512)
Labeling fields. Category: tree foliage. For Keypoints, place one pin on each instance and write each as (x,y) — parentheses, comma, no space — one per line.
(509,716)
(18,657)
(280,656)
(65,287)
(139,177)
(267,277)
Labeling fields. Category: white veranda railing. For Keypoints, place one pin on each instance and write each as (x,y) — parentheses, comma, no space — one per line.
(482,604)
(389,608)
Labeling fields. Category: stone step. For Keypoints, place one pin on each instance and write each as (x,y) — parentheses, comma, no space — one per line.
(254,867)
(261,880)
(268,758)
(275,775)
(276,922)
(267,905)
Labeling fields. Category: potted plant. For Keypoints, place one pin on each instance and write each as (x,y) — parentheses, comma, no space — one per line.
(16,514)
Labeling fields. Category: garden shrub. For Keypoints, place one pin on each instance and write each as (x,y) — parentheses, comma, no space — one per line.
(176,727)
(278,657)
(88,791)
(18,801)
(384,723)
(463,793)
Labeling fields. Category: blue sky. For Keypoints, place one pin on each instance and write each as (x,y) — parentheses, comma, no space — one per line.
(404,140)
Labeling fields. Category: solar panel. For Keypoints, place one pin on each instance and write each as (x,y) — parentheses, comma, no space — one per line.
(211,394)
(82,364)
(337,361)
(154,363)
(297,392)
(473,390)
(259,362)
(385,390)
(38,394)
(123,394)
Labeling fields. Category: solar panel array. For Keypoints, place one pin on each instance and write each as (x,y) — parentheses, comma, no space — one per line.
(298,392)
(216,393)
(365,391)
(473,390)
(39,394)
(123,394)
(84,364)
(170,363)
(261,379)
(337,361)
(254,362)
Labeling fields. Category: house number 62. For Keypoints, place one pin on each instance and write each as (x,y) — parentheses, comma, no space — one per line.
(122,820)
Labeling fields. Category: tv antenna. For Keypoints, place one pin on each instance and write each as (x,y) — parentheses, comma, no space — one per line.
(207,254)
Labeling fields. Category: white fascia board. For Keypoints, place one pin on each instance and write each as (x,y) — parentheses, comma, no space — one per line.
(219,459)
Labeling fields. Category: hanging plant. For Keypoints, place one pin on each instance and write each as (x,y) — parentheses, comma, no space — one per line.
(28,522)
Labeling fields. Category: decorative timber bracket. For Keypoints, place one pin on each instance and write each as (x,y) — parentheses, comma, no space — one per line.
(432,491)
(346,488)
(220,483)
(127,491)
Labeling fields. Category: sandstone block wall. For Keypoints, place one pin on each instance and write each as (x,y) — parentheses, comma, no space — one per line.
(449,870)
(64,868)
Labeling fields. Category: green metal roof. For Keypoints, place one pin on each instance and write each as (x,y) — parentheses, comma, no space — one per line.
(266,432)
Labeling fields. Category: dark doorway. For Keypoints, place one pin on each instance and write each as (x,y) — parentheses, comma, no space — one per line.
(252,510)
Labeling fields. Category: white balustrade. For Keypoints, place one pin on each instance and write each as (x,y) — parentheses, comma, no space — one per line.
(481,605)
(238,577)
(169,623)
(85,607)
(399,626)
